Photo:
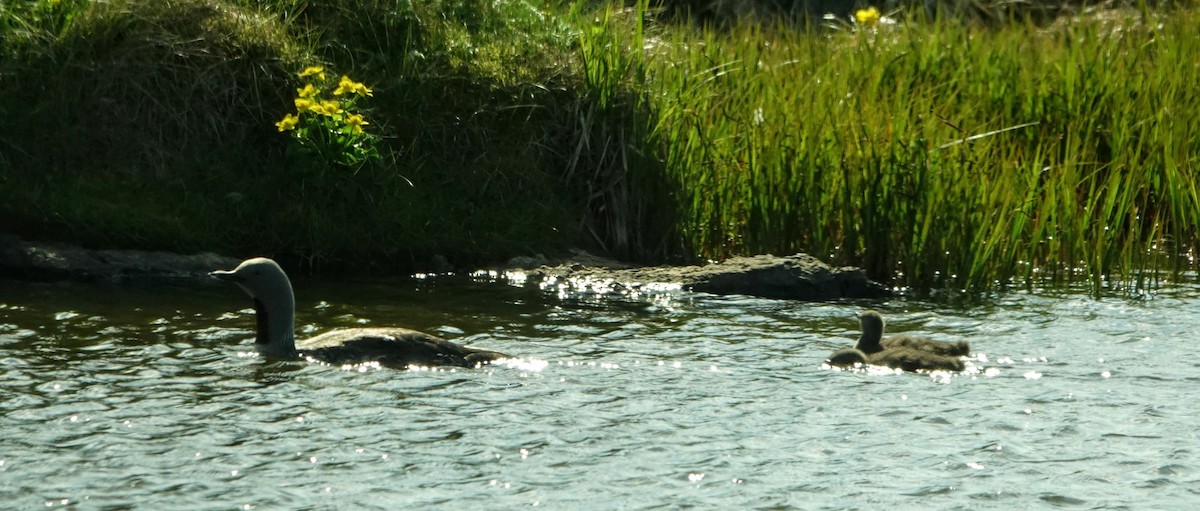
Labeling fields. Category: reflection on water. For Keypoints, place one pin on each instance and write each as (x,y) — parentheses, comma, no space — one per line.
(153,398)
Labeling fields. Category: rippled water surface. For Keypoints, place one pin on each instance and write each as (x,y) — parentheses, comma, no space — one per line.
(116,397)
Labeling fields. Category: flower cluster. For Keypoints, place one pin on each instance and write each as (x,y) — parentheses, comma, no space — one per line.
(327,126)
(309,101)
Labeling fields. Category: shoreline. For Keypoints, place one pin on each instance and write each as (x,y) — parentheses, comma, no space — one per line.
(795,277)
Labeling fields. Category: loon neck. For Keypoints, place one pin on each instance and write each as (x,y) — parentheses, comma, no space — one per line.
(868,343)
(276,337)
(872,335)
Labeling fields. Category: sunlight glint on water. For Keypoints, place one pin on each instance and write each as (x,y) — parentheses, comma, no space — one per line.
(621,399)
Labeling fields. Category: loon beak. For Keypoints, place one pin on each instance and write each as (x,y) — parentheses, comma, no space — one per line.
(229,275)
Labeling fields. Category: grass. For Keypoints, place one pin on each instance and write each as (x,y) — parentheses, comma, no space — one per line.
(934,153)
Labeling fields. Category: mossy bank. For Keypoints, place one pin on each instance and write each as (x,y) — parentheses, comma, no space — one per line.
(152,124)
(933,152)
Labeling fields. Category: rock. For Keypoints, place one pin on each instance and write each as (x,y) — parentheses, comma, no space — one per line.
(39,260)
(795,277)
(527,262)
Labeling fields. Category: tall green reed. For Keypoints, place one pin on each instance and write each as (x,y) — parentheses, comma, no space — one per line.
(932,153)
(615,156)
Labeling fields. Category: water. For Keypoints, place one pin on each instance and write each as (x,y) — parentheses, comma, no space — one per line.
(116,397)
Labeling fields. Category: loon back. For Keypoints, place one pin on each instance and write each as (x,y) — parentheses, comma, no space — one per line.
(392,347)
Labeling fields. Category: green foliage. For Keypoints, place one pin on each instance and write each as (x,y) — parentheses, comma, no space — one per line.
(167,109)
(931,153)
(33,19)
(614,158)
(134,107)
(137,88)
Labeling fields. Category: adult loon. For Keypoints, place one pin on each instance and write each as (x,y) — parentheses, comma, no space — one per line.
(275,309)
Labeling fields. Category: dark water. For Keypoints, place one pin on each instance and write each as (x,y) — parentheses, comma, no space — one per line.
(118,397)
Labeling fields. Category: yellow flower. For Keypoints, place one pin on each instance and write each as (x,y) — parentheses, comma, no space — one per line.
(867,17)
(344,86)
(303,104)
(347,85)
(313,70)
(308,91)
(355,122)
(330,107)
(288,123)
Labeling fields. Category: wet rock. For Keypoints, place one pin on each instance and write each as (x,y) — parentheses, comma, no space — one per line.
(527,262)
(796,277)
(42,260)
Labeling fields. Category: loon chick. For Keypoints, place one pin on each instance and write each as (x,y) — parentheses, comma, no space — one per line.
(871,341)
(906,359)
(275,308)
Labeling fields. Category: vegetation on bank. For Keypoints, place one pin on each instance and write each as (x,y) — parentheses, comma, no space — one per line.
(933,152)
(944,154)
(152,124)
